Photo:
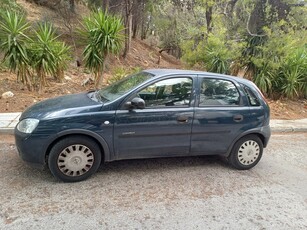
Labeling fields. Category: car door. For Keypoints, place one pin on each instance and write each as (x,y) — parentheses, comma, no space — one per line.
(221,115)
(163,128)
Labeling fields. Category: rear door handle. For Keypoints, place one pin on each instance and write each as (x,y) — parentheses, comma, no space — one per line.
(238,118)
(182,119)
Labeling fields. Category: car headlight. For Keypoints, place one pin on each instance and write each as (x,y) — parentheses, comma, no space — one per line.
(27,125)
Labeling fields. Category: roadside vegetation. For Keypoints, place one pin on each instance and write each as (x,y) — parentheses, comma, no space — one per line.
(262,40)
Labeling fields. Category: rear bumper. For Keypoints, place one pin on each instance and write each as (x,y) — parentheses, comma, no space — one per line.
(266,132)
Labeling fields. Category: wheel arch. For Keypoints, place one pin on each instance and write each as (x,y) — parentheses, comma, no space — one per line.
(103,145)
(260,135)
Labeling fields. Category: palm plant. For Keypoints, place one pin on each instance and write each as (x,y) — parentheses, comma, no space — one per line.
(62,55)
(14,40)
(48,56)
(264,79)
(216,60)
(103,35)
(293,75)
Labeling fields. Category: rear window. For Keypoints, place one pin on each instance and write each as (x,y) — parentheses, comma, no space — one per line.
(218,92)
(252,98)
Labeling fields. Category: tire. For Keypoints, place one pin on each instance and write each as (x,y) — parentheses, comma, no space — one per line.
(246,152)
(74,158)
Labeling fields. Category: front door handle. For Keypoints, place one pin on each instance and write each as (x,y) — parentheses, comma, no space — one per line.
(238,118)
(182,119)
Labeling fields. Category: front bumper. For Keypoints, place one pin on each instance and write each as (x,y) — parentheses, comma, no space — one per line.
(31,149)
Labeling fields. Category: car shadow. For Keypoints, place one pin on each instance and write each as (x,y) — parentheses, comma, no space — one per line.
(167,163)
(127,167)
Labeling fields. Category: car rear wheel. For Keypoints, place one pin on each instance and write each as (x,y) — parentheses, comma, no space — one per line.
(74,158)
(246,153)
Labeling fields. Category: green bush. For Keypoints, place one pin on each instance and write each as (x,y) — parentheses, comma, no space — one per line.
(14,41)
(293,75)
(47,54)
(42,54)
(102,34)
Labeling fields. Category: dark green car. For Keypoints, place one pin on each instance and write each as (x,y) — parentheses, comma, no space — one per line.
(155,113)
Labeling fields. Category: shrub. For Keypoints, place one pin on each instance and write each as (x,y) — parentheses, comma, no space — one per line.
(14,42)
(48,55)
(102,34)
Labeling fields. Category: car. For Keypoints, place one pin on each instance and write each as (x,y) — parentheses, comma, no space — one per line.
(150,114)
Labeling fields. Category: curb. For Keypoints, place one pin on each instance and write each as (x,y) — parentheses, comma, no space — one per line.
(288,130)
(8,121)
(6,131)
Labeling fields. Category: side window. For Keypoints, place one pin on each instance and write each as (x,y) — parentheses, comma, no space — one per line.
(170,92)
(218,92)
(253,100)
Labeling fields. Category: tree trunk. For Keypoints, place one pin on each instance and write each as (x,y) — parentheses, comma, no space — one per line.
(72,6)
(209,18)
(128,26)
(257,18)
(134,27)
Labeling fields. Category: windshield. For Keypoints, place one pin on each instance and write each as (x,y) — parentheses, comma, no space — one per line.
(114,91)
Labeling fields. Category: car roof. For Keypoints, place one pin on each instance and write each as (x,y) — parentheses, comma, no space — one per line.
(165,72)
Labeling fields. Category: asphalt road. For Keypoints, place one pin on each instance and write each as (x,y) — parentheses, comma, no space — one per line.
(177,193)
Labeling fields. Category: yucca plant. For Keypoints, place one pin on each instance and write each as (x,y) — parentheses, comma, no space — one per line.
(217,57)
(14,40)
(264,79)
(103,35)
(293,75)
(48,56)
(62,54)
(216,60)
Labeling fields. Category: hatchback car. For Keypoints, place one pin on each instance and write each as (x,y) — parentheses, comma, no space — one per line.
(154,113)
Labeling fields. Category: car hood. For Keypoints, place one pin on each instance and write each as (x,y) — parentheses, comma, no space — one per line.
(62,106)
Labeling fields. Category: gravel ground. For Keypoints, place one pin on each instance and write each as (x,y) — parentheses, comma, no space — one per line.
(177,193)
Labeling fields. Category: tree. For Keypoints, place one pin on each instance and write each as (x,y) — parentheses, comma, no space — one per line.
(128,25)
(103,35)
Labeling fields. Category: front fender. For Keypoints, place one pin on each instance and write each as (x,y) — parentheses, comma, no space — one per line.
(98,138)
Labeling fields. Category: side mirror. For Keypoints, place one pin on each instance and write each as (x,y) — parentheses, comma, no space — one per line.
(135,103)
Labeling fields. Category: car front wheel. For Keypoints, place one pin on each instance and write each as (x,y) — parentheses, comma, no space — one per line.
(246,153)
(74,158)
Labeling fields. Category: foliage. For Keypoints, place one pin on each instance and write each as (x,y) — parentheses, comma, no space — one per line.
(276,63)
(9,5)
(293,74)
(102,34)
(62,54)
(217,56)
(262,38)
(14,40)
(42,54)
(266,40)
(48,56)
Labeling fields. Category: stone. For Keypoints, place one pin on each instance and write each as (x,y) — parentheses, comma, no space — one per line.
(67,78)
(7,94)
(87,81)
